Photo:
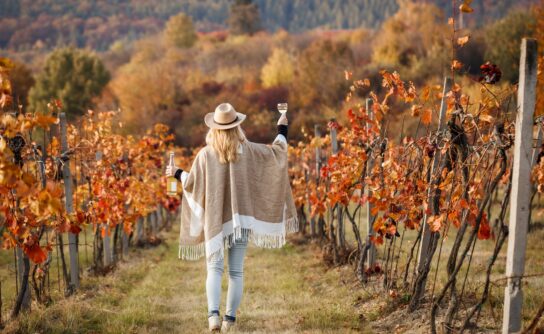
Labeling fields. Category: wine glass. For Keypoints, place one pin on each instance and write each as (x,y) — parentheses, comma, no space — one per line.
(282,107)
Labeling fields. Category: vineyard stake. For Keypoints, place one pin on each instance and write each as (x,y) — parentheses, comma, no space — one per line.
(318,162)
(538,145)
(369,219)
(140,230)
(106,240)
(72,238)
(339,212)
(521,187)
(1,322)
(23,268)
(426,232)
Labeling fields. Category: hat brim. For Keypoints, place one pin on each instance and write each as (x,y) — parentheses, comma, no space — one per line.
(208,119)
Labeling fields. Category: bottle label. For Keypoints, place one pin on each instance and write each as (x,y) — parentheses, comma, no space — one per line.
(173,186)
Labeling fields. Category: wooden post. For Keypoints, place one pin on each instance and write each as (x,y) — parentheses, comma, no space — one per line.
(371,258)
(1,318)
(140,230)
(339,210)
(152,223)
(124,240)
(312,220)
(21,259)
(521,188)
(538,144)
(426,232)
(106,240)
(160,223)
(320,222)
(68,203)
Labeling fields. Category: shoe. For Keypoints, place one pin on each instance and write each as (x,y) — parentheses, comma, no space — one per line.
(214,323)
(227,325)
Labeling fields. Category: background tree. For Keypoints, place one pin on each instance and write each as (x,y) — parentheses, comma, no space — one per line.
(244,18)
(179,31)
(71,75)
(320,84)
(413,41)
(278,70)
(503,39)
(21,81)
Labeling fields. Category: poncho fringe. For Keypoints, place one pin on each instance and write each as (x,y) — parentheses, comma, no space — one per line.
(260,208)
(195,252)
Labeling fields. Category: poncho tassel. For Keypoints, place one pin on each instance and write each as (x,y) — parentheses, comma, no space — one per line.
(260,240)
(292,225)
(192,252)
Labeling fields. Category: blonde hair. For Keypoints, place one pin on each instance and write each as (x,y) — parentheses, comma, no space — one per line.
(225,143)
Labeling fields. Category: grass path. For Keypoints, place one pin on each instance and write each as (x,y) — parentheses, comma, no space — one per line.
(286,290)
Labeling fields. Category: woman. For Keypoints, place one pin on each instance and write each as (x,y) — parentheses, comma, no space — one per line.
(236,191)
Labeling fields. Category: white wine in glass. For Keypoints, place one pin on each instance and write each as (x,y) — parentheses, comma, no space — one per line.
(282,108)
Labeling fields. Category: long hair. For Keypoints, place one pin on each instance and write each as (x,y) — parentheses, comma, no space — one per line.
(225,143)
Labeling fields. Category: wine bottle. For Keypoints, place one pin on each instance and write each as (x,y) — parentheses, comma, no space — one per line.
(172,182)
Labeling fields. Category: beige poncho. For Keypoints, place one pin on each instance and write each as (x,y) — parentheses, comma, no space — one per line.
(223,202)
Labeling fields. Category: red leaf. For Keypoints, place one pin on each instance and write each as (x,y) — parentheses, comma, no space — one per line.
(484,232)
(376,240)
(35,253)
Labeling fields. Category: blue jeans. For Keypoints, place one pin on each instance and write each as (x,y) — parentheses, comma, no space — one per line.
(236,255)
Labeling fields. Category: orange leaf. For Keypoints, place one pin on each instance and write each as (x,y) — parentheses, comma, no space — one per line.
(416,110)
(44,120)
(376,240)
(435,223)
(456,65)
(465,7)
(427,116)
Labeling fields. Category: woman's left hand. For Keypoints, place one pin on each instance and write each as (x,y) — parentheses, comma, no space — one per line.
(170,170)
(283,119)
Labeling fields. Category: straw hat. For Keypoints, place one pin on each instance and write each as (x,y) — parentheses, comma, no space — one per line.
(224,117)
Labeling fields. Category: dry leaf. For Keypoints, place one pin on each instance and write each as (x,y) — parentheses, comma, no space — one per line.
(427,116)
(465,7)
(463,40)
(456,65)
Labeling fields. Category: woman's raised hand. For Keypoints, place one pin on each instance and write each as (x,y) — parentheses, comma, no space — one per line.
(283,119)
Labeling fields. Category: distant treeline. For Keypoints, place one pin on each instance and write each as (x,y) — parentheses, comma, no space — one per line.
(36,24)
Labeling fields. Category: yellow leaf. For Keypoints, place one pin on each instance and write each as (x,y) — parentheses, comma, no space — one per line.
(416,110)
(462,40)
(487,118)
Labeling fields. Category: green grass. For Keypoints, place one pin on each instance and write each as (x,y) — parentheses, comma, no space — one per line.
(287,290)
(389,314)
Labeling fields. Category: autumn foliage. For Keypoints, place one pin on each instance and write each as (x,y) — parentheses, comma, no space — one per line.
(118,178)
